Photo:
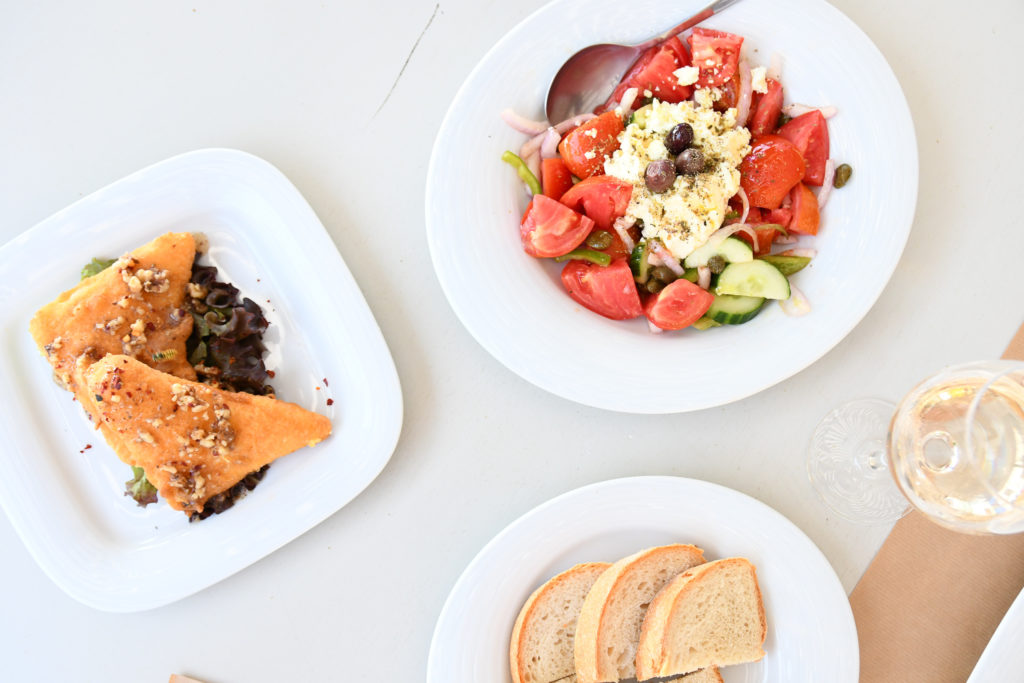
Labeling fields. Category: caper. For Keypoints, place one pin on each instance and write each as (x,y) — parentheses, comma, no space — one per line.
(843,173)
(679,138)
(599,239)
(690,161)
(663,274)
(654,286)
(660,175)
(716,264)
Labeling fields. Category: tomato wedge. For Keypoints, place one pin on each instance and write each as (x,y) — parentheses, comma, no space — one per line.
(584,148)
(770,171)
(766,113)
(809,134)
(679,305)
(609,291)
(654,71)
(730,94)
(550,228)
(716,54)
(780,216)
(555,177)
(602,198)
(765,237)
(806,218)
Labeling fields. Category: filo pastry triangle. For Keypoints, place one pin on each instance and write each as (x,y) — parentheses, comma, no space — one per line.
(192,440)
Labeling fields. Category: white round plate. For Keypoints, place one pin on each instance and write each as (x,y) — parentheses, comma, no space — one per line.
(811,632)
(515,306)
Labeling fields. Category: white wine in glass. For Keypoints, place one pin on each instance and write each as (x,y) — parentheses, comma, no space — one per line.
(954,448)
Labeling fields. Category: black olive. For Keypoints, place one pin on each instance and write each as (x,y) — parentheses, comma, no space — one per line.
(690,161)
(679,138)
(660,175)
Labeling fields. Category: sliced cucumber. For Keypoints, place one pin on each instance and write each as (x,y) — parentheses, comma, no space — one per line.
(733,310)
(691,275)
(732,249)
(787,265)
(639,117)
(755,278)
(706,323)
(638,262)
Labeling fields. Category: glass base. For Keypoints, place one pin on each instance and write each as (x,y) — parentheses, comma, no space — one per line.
(848,467)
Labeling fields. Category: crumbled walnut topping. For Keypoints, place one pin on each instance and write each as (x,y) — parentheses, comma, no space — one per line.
(122,302)
(110,327)
(156,422)
(154,280)
(197,291)
(147,437)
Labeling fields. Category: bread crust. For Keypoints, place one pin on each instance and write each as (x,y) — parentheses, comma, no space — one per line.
(517,652)
(594,619)
(651,659)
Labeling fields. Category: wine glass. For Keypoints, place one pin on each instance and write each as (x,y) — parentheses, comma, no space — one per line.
(953,448)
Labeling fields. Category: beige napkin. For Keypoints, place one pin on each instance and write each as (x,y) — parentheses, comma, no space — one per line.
(931,599)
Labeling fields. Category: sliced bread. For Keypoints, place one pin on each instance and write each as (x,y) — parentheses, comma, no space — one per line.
(541,650)
(709,615)
(609,623)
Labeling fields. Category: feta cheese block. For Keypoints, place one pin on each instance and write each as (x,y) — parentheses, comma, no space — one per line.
(685,215)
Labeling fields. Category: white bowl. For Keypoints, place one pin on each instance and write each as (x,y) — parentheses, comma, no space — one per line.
(515,305)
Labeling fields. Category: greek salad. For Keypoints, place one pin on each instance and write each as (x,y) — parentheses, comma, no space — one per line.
(680,198)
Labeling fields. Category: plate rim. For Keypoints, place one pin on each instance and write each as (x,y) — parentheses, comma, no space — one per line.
(834,585)
(684,402)
(53,559)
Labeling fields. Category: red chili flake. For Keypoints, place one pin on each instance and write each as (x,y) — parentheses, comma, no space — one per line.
(150,327)
(325,382)
(270,374)
(88,446)
(330,401)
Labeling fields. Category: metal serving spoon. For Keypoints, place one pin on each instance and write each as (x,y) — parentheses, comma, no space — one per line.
(590,75)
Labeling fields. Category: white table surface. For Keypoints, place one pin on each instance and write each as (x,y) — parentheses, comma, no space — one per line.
(94,91)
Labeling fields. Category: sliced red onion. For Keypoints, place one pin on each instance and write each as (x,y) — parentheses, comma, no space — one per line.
(565,126)
(666,258)
(786,239)
(794,110)
(742,194)
(533,163)
(743,103)
(621,226)
(653,328)
(774,71)
(532,145)
(803,251)
(797,304)
(523,124)
(626,104)
(703,277)
(826,183)
(719,235)
(549,146)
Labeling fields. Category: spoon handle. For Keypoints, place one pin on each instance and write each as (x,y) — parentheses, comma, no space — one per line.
(713,8)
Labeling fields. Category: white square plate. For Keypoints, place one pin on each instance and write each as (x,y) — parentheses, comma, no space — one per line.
(67,501)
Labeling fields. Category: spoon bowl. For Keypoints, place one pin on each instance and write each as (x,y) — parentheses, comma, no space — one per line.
(589,76)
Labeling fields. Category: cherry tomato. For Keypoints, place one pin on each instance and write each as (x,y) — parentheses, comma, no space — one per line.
(610,291)
(678,305)
(770,171)
(765,113)
(716,54)
(602,198)
(806,218)
(550,228)
(809,134)
(555,177)
(584,151)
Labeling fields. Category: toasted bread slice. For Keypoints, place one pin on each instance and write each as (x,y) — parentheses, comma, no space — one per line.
(541,649)
(134,308)
(193,441)
(609,624)
(712,614)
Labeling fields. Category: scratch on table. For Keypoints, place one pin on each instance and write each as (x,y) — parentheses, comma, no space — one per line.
(407,59)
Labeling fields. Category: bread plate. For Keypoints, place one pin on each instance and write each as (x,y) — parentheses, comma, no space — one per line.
(515,305)
(66,500)
(811,632)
